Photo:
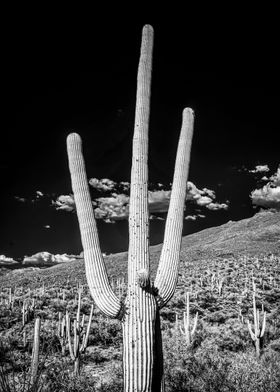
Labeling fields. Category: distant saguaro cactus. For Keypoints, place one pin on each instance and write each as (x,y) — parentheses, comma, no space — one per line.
(187,331)
(35,352)
(257,335)
(81,335)
(139,312)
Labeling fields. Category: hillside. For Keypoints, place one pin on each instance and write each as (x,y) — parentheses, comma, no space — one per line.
(255,236)
(217,268)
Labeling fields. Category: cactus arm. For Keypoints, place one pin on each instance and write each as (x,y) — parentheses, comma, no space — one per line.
(59,324)
(188,309)
(23,313)
(96,273)
(69,336)
(83,321)
(79,307)
(138,254)
(76,343)
(86,336)
(256,316)
(195,324)
(182,330)
(251,331)
(167,273)
(263,325)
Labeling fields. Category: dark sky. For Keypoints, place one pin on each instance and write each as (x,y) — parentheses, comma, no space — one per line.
(79,74)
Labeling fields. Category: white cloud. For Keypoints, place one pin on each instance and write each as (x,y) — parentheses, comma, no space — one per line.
(275,178)
(209,192)
(65,203)
(38,196)
(21,199)
(48,258)
(191,217)
(6,260)
(158,201)
(154,217)
(115,207)
(193,193)
(104,184)
(39,258)
(269,195)
(64,258)
(125,185)
(203,201)
(47,226)
(217,206)
(260,169)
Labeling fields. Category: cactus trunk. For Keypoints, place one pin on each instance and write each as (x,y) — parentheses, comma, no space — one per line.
(142,357)
(140,319)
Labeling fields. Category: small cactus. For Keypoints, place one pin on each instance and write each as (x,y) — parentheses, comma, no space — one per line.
(27,312)
(81,335)
(62,332)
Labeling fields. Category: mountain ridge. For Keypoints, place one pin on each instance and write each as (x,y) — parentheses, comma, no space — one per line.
(255,236)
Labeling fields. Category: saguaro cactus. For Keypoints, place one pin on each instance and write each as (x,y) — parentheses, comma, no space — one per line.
(35,352)
(139,313)
(62,332)
(187,331)
(81,335)
(257,335)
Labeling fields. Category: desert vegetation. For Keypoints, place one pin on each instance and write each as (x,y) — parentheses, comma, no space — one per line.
(221,356)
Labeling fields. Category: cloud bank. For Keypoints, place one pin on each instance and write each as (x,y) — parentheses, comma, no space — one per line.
(260,169)
(269,195)
(48,258)
(116,206)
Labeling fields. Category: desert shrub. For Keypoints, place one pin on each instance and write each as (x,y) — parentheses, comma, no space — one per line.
(219,316)
(248,374)
(198,373)
(60,379)
(206,371)
(15,372)
(105,332)
(274,345)
(232,336)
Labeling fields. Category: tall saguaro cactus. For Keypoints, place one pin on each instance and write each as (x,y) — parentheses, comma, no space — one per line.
(139,313)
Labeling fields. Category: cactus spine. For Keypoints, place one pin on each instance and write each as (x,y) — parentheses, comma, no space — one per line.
(142,345)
